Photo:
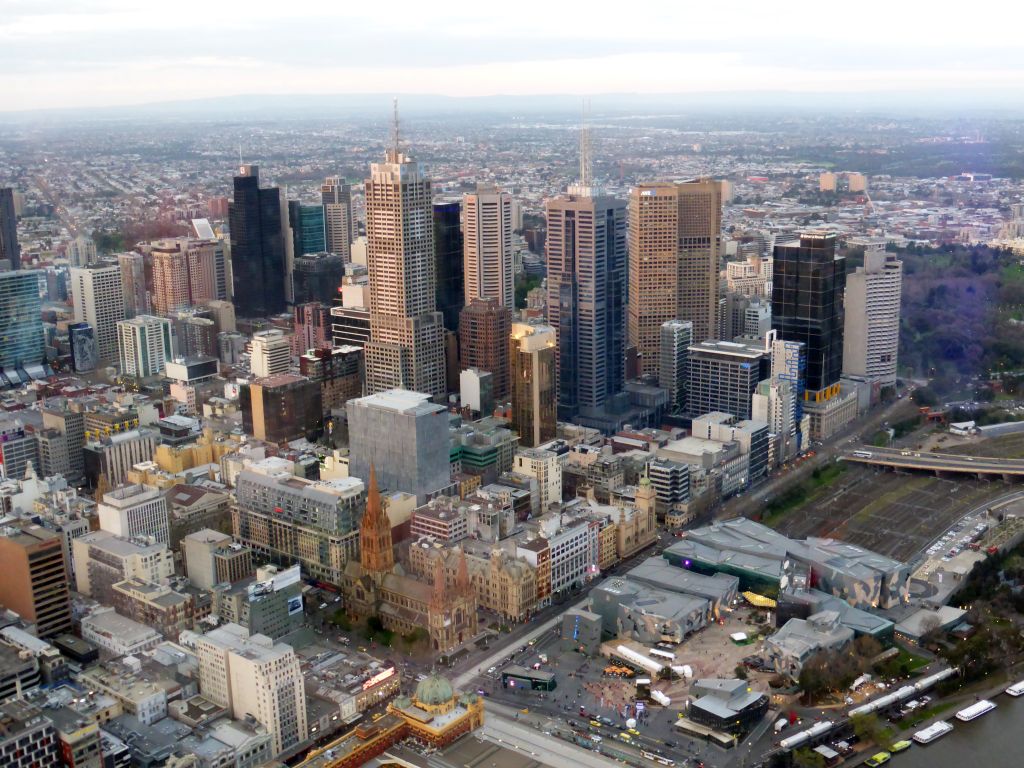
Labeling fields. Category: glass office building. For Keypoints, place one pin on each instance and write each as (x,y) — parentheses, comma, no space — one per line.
(21,327)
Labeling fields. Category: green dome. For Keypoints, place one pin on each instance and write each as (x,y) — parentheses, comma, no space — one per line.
(434,690)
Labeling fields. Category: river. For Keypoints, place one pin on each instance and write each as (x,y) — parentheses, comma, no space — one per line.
(995,740)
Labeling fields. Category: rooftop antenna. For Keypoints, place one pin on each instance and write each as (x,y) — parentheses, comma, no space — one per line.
(585,165)
(240,162)
(395,137)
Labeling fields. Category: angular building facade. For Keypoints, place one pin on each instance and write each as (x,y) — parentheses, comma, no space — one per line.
(532,350)
(448,246)
(21,326)
(258,262)
(484,328)
(487,230)
(808,282)
(339,224)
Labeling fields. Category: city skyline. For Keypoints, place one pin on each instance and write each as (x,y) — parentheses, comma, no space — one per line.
(62,54)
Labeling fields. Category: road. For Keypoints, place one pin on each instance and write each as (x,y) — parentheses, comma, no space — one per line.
(937,462)
(554,752)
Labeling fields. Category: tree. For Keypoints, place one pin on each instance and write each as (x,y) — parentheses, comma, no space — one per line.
(870,728)
(741,672)
(867,647)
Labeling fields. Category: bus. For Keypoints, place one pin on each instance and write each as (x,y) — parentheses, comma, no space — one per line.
(660,654)
(661,759)
(863,454)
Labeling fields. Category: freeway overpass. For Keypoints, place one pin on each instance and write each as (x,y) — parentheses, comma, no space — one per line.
(940,463)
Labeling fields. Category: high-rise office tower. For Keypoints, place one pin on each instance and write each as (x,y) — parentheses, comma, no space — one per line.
(487,232)
(307,225)
(35,582)
(207,273)
(82,251)
(872,326)
(586,255)
(675,340)
(406,350)
(254,677)
(448,247)
(133,282)
(9,248)
(258,262)
(339,224)
(281,408)
(21,326)
(144,345)
(674,241)
(99,301)
(722,375)
(170,276)
(484,326)
(532,350)
(317,277)
(271,353)
(808,281)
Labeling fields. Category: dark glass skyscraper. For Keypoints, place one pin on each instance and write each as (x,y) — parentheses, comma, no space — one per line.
(586,251)
(448,262)
(317,277)
(807,306)
(307,224)
(257,246)
(9,248)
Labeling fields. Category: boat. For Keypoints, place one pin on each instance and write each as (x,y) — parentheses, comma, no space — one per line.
(879,758)
(932,732)
(899,746)
(1016,689)
(975,710)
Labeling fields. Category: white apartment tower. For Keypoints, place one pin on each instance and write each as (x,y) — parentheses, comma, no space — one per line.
(144,345)
(546,468)
(872,332)
(135,511)
(271,353)
(339,224)
(487,245)
(99,301)
(407,331)
(251,675)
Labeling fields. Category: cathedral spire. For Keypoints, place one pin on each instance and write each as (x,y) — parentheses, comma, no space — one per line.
(375,550)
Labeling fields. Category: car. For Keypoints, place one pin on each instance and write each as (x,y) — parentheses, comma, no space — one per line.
(625,737)
(594,724)
(492,670)
(606,720)
(670,744)
(524,711)
(377,716)
(362,649)
(634,731)
(322,606)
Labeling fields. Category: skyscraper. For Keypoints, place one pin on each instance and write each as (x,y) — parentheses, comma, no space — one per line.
(170,276)
(144,345)
(257,246)
(674,240)
(872,326)
(207,273)
(271,353)
(484,327)
(99,301)
(317,277)
(133,282)
(808,281)
(407,346)
(487,230)
(586,255)
(532,351)
(9,248)
(307,225)
(675,340)
(339,224)
(448,247)
(21,327)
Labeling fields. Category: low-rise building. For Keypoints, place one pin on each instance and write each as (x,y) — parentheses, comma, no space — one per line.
(118,634)
(799,639)
(637,611)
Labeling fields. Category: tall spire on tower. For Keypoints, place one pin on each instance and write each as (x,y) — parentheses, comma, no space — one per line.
(585,162)
(439,598)
(395,134)
(375,550)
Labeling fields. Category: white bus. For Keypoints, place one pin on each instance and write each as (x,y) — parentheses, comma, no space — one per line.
(863,454)
(660,654)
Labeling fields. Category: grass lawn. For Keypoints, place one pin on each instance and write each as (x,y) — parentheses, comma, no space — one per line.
(799,495)
(927,713)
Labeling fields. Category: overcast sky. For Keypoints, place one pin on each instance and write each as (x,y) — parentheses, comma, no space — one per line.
(78,53)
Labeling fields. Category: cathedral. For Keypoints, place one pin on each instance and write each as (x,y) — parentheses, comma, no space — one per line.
(378,586)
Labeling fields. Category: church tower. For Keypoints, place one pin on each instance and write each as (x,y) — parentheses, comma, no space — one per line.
(375,551)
